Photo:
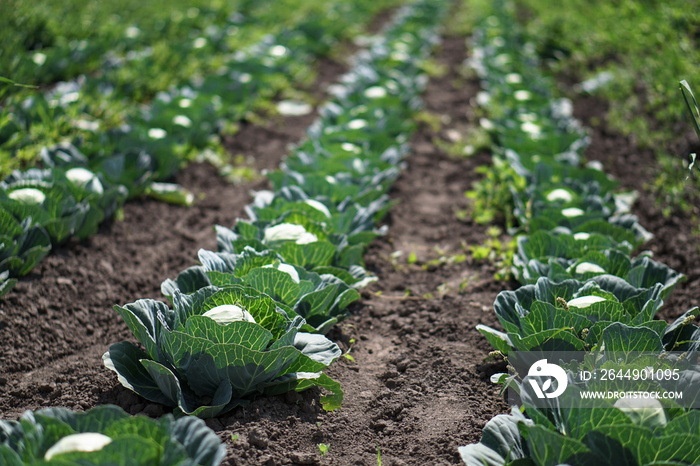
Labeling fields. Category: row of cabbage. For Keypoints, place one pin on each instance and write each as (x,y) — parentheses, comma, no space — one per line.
(250,319)
(112,147)
(582,289)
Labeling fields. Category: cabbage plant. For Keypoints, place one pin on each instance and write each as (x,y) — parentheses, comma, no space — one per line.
(322,300)
(299,239)
(562,175)
(6,283)
(345,218)
(130,172)
(64,202)
(640,272)
(205,359)
(546,194)
(635,432)
(50,206)
(22,244)
(107,435)
(577,316)
(561,201)
(340,187)
(542,246)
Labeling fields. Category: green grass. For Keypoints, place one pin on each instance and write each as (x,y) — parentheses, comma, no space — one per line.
(649,47)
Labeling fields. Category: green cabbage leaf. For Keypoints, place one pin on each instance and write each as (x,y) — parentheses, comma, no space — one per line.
(191,362)
(322,300)
(544,316)
(132,440)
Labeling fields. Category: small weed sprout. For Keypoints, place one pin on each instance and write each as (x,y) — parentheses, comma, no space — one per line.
(323,448)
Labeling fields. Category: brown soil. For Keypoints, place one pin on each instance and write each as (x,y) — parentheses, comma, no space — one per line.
(415,388)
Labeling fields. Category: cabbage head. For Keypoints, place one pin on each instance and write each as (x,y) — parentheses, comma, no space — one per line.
(193,362)
(107,435)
